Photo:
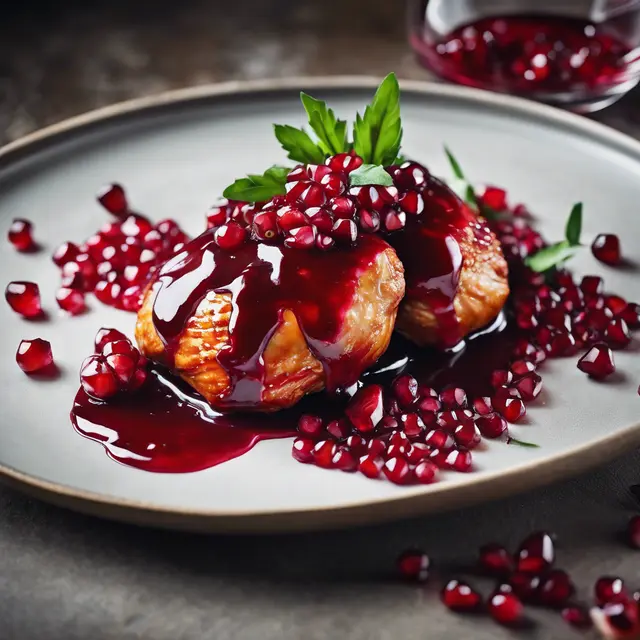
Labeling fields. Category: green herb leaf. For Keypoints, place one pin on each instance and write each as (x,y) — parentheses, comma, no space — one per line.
(455,165)
(378,134)
(461,185)
(574,225)
(299,145)
(331,132)
(522,443)
(259,188)
(400,160)
(370,174)
(550,257)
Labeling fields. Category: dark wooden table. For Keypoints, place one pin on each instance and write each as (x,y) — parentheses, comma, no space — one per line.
(65,576)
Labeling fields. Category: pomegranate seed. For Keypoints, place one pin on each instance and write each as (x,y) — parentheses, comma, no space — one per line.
(425,472)
(397,470)
(495,198)
(84,265)
(525,585)
(483,406)
(492,425)
(500,377)
(522,367)
(555,588)
(302,450)
(66,252)
(108,292)
(97,378)
(439,439)
(536,553)
(617,334)
(333,184)
(631,315)
(265,226)
(453,398)
(339,429)
(310,425)
(369,221)
(105,336)
(417,452)
(136,226)
(592,286)
(230,236)
(317,172)
(428,404)
(467,435)
(344,460)
(24,298)
(606,248)
(459,596)
(312,196)
(412,202)
(405,389)
(113,199)
(320,219)
(529,386)
(289,218)
(454,460)
(34,355)
(342,207)
(618,619)
(413,565)
(576,617)
(323,453)
(345,231)
(510,407)
(376,448)
(216,216)
(410,175)
(495,559)
(70,300)
(633,532)
(371,466)
(131,298)
(366,408)
(394,220)
(450,419)
(610,589)
(345,162)
(324,243)
(412,425)
(505,608)
(20,235)
(301,238)
(357,445)
(598,362)
(299,172)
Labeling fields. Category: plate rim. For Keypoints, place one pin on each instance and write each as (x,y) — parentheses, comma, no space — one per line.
(445,496)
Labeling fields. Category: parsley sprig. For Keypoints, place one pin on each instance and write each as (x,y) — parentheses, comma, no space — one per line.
(259,188)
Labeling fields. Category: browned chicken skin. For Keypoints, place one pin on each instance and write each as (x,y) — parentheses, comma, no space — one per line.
(290,368)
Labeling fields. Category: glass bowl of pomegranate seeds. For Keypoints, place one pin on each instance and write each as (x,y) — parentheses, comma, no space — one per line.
(578,54)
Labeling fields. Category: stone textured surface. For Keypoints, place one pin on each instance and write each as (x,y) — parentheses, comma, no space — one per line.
(65,576)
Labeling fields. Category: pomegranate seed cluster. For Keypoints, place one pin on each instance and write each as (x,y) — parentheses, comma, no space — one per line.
(529,576)
(320,210)
(116,367)
(116,262)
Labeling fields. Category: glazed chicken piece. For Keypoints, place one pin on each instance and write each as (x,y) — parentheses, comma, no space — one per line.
(457,277)
(293,362)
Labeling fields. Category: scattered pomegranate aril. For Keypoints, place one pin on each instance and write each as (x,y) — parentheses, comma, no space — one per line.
(609,589)
(409,176)
(617,334)
(598,362)
(20,235)
(631,315)
(405,389)
(394,220)
(371,466)
(505,608)
(376,448)
(454,460)
(323,453)
(216,216)
(494,559)
(606,248)
(398,470)
(289,218)
(319,218)
(495,198)
(501,377)
(97,378)
(324,242)
(339,429)
(592,286)
(301,238)
(366,408)
(108,292)
(66,252)
(106,335)
(368,221)
(511,408)
(529,386)
(412,202)
(482,405)
(412,425)
(413,565)
(344,162)
(302,450)
(633,532)
(310,425)
(131,298)
(453,398)
(439,439)
(576,617)
(112,197)
(492,425)
(345,231)
(536,553)
(467,435)
(230,236)
(555,588)
(425,472)
(344,460)
(34,355)
(70,300)
(460,597)
(24,298)
(525,585)
(357,445)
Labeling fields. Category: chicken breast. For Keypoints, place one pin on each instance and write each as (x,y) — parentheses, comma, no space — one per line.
(292,362)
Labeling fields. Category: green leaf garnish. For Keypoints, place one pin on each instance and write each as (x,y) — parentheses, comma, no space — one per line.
(522,443)
(455,165)
(462,186)
(256,188)
(574,225)
(558,253)
(299,145)
(378,134)
(331,132)
(370,174)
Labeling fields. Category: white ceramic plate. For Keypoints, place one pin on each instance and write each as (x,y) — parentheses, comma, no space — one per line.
(174,154)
